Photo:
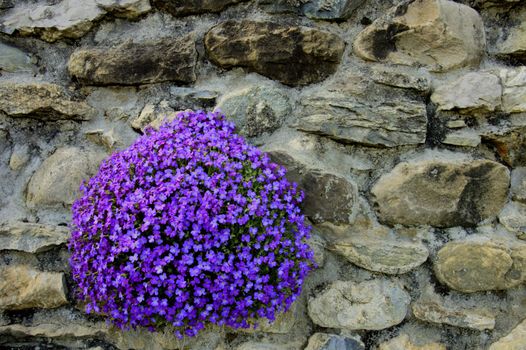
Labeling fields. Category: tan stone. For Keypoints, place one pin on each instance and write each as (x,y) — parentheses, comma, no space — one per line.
(441,192)
(31,237)
(438,34)
(480,266)
(436,312)
(403,342)
(22,287)
(514,89)
(515,340)
(57,181)
(41,100)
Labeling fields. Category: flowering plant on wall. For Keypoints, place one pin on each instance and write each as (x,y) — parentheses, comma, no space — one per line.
(188,226)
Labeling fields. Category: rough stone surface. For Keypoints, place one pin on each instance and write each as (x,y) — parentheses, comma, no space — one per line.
(19,157)
(510,145)
(67,18)
(14,60)
(441,192)
(137,63)
(41,100)
(518,184)
(464,138)
(481,266)
(401,79)
(514,89)
(22,287)
(255,110)
(292,55)
(513,217)
(56,182)
(331,9)
(192,7)
(473,92)
(511,40)
(382,255)
(30,237)
(375,304)
(438,34)
(435,312)
(515,340)
(403,342)
(324,341)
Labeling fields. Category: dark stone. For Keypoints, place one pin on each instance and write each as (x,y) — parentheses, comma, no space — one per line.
(331,10)
(290,54)
(137,63)
(192,7)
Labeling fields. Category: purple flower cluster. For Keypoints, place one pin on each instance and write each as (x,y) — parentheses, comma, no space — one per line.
(190,225)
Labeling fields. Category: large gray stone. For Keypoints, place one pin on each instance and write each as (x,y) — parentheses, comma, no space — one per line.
(481,266)
(41,100)
(192,7)
(30,237)
(441,192)
(371,305)
(14,60)
(66,18)
(22,287)
(438,34)
(331,9)
(255,110)
(290,54)
(514,89)
(513,217)
(382,255)
(436,312)
(324,341)
(137,63)
(57,181)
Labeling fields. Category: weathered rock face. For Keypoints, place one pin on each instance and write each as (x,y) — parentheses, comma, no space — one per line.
(514,89)
(31,238)
(513,217)
(137,63)
(255,110)
(375,304)
(192,7)
(403,342)
(41,100)
(14,60)
(515,340)
(480,266)
(330,10)
(67,18)
(438,34)
(57,181)
(473,92)
(324,341)
(441,193)
(435,312)
(22,287)
(511,36)
(289,54)
(381,255)
(518,184)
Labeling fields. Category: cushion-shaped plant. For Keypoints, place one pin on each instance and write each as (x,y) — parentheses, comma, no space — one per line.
(190,225)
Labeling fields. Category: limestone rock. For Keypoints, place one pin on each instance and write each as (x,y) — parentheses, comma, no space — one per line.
(372,305)
(324,341)
(54,330)
(514,89)
(371,123)
(57,181)
(284,323)
(509,144)
(182,98)
(401,79)
(192,7)
(67,18)
(137,63)
(403,342)
(19,157)
(254,345)
(330,9)
(328,197)
(518,184)
(381,255)
(481,266)
(14,60)
(438,34)
(22,287)
(41,100)
(435,312)
(441,192)
(511,40)
(463,138)
(290,54)
(513,217)
(515,340)
(30,237)
(473,92)
(153,115)
(255,110)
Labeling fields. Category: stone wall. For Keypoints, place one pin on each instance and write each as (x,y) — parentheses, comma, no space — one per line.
(404,122)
